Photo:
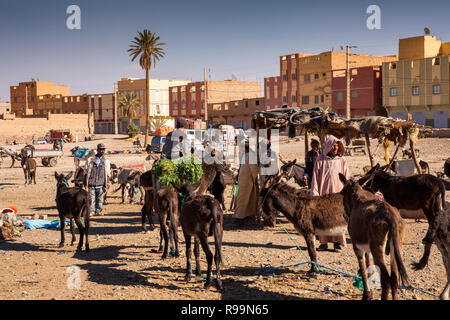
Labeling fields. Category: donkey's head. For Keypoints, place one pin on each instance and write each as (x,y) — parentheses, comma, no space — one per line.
(185,191)
(287,169)
(350,189)
(373,179)
(62,181)
(79,178)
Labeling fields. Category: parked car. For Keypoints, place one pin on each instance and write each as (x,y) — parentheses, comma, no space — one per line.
(157,143)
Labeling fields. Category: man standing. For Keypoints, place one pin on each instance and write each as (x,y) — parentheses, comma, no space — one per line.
(325,180)
(98,170)
(311,157)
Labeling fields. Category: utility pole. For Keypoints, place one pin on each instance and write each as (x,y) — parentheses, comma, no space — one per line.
(347,74)
(206,98)
(115,109)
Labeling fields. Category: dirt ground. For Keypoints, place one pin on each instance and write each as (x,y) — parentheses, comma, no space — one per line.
(122,264)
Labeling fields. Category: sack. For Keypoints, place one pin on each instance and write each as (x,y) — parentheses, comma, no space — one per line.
(167,148)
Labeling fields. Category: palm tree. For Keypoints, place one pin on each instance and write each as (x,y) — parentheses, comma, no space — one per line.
(157,122)
(130,104)
(147,47)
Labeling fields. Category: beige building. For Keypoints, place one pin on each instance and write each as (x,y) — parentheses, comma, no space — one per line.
(159,98)
(418,83)
(37,98)
(238,113)
(5,107)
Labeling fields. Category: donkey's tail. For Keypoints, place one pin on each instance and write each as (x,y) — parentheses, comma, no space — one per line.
(173,221)
(394,235)
(442,187)
(216,226)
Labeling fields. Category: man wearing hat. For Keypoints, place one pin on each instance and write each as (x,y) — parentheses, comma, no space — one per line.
(98,170)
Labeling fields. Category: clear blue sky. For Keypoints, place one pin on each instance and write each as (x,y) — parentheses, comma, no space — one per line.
(244,38)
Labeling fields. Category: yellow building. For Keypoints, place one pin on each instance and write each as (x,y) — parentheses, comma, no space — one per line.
(159,99)
(418,83)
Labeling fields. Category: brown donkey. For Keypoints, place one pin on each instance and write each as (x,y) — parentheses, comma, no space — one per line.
(201,216)
(310,215)
(29,169)
(370,222)
(166,206)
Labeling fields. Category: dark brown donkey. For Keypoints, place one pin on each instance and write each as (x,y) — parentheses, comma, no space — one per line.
(73,204)
(29,169)
(422,191)
(310,215)
(166,207)
(201,216)
(370,221)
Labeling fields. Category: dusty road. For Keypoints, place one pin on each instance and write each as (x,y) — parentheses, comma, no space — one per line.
(121,264)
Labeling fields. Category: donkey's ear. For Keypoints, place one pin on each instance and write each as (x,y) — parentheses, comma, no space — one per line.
(342,178)
(293,162)
(69,175)
(56,175)
(196,185)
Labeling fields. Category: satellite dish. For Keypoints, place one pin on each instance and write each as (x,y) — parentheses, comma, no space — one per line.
(427,31)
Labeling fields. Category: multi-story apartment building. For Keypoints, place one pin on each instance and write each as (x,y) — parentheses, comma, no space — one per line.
(75,103)
(188,101)
(306,80)
(418,82)
(237,113)
(365,92)
(37,97)
(159,98)
(102,108)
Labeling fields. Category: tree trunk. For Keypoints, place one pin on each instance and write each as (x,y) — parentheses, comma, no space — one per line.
(147,106)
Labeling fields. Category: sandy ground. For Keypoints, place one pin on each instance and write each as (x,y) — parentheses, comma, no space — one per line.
(121,264)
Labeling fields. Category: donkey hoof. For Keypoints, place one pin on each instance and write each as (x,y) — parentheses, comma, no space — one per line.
(61,245)
(207,284)
(164,256)
(219,285)
(187,278)
(87,249)
(418,265)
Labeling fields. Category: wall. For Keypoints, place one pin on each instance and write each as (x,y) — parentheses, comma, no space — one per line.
(77,123)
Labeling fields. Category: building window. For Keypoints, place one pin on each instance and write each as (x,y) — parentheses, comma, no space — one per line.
(15,99)
(276,83)
(436,89)
(305,100)
(393,92)
(78,99)
(284,99)
(268,102)
(276,101)
(284,77)
(316,99)
(339,96)
(183,105)
(268,83)
(316,76)
(354,94)
(392,66)
(257,102)
(294,77)
(175,105)
(436,61)
(415,91)
(322,98)
(193,106)
(306,78)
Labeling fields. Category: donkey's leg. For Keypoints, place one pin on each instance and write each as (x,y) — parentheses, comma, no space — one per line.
(424,260)
(62,222)
(378,257)
(72,230)
(309,238)
(187,239)
(361,256)
(218,253)
(160,240)
(81,229)
(209,258)
(394,272)
(198,270)
(163,225)
(445,247)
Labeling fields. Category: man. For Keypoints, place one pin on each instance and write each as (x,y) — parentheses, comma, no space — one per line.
(98,175)
(311,157)
(177,144)
(325,180)
(247,196)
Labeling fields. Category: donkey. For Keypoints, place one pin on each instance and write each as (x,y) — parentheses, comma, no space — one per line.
(72,203)
(166,206)
(29,169)
(447,167)
(201,216)
(422,191)
(440,234)
(217,188)
(310,215)
(370,221)
(296,171)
